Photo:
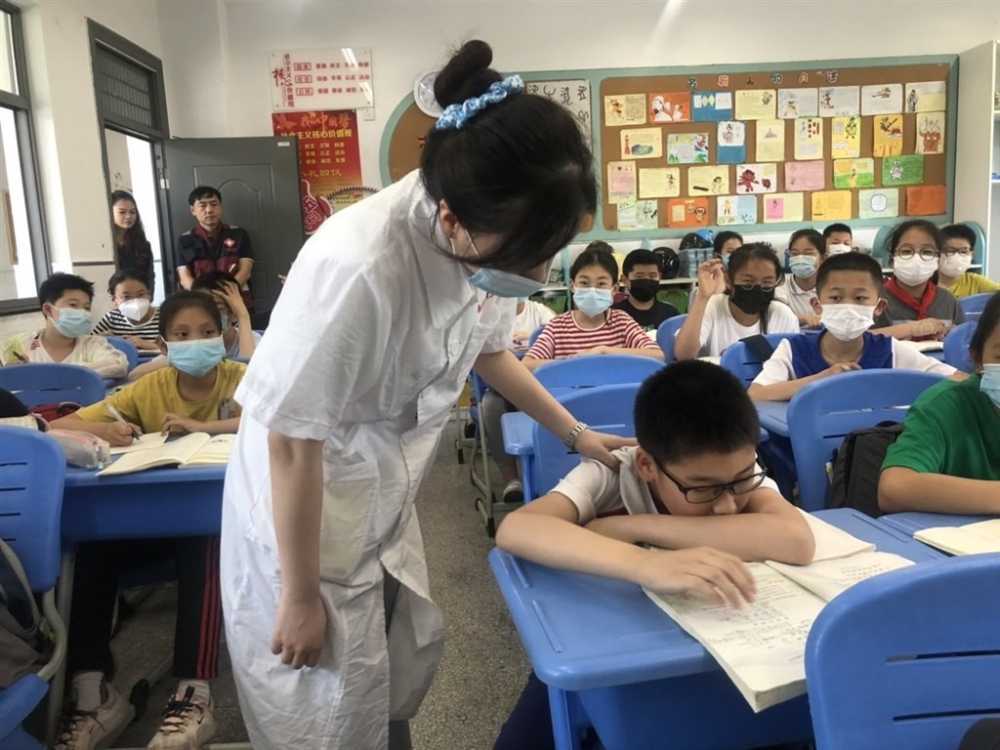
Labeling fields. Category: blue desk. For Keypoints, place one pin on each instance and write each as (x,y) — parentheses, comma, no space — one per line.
(773,416)
(909,523)
(613,660)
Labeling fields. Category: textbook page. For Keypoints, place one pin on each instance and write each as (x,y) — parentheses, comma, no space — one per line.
(173,453)
(216,451)
(971,539)
(143,442)
(832,542)
(828,578)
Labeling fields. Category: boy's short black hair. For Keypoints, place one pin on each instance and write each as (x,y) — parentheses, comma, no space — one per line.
(597,253)
(837,228)
(183,300)
(722,238)
(849,262)
(213,281)
(691,408)
(959,232)
(54,287)
(126,275)
(988,323)
(202,192)
(641,257)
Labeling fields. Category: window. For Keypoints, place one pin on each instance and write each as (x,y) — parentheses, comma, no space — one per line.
(23,257)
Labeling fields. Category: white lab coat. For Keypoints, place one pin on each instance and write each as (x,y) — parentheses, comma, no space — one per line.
(368,348)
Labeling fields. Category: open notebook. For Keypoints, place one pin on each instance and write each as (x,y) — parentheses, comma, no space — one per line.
(971,539)
(762,647)
(196,449)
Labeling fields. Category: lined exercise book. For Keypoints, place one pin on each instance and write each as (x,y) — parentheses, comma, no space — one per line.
(196,449)
(762,647)
(971,539)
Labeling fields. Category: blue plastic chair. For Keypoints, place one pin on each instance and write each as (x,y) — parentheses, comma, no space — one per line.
(908,659)
(666,335)
(956,346)
(32,468)
(588,372)
(126,348)
(743,363)
(824,412)
(975,304)
(51,383)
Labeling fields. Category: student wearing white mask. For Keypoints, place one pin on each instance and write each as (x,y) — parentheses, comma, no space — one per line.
(806,250)
(848,286)
(133,317)
(915,251)
(956,257)
(839,239)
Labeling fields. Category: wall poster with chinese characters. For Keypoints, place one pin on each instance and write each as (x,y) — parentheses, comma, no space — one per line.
(574,96)
(321,79)
(329,159)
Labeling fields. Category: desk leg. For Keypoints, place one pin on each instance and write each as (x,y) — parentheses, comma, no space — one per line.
(64,601)
(566,737)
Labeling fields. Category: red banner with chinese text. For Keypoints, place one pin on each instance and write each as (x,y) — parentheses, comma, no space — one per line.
(329,160)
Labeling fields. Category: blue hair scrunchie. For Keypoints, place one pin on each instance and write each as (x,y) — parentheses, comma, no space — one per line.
(456,115)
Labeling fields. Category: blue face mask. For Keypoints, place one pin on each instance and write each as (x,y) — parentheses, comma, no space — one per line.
(592,302)
(72,322)
(989,383)
(802,266)
(503,283)
(196,358)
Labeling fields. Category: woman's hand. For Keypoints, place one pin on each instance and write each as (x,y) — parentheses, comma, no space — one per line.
(598,446)
(299,631)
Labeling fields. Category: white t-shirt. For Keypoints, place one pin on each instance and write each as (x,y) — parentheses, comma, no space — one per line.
(596,490)
(530,319)
(797,298)
(89,351)
(720,329)
(905,356)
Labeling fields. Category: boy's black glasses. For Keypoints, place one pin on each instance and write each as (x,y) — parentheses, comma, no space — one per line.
(711,493)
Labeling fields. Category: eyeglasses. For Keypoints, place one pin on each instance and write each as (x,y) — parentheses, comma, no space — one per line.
(712,492)
(762,287)
(926,252)
(963,251)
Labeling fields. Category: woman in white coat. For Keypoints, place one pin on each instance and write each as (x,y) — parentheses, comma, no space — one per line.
(385,311)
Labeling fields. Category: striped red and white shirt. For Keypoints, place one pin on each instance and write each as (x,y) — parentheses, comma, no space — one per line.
(562,337)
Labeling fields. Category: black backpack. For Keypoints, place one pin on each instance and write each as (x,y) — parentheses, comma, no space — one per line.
(858,466)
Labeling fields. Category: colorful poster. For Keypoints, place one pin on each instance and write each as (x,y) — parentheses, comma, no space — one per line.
(708,181)
(736,209)
(642,143)
(928,96)
(731,146)
(888,135)
(712,106)
(926,200)
(831,205)
(770,140)
(853,173)
(573,96)
(660,182)
(621,181)
(783,207)
(323,79)
(880,203)
(794,103)
(687,148)
(756,178)
(674,106)
(687,212)
(903,170)
(845,137)
(805,175)
(624,109)
(755,104)
(882,99)
(930,134)
(808,138)
(637,215)
(329,160)
(839,101)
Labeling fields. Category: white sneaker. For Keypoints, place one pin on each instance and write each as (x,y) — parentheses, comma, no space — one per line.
(90,730)
(513,492)
(188,723)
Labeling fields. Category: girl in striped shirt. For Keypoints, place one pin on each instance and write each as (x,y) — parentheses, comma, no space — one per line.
(592,328)
(132,318)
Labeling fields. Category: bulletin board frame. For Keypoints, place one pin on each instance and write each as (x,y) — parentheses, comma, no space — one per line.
(407,113)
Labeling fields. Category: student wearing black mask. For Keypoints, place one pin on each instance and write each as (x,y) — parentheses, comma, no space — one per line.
(641,276)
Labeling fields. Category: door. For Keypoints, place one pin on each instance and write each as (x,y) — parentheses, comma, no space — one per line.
(259,182)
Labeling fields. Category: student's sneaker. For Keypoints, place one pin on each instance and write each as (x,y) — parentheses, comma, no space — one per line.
(513,492)
(89,730)
(188,723)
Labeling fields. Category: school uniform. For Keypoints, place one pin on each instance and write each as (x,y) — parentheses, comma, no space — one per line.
(649,319)
(799,299)
(88,351)
(936,302)
(115,323)
(720,329)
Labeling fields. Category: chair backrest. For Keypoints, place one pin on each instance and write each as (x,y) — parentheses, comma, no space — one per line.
(51,383)
(908,659)
(744,363)
(32,468)
(975,303)
(666,335)
(126,348)
(956,346)
(824,412)
(589,372)
(606,409)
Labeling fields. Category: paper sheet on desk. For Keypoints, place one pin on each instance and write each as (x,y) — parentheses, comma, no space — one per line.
(143,442)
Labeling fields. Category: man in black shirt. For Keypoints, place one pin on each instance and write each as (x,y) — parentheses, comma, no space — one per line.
(641,274)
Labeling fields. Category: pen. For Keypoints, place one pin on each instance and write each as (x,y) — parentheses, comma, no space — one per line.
(117,415)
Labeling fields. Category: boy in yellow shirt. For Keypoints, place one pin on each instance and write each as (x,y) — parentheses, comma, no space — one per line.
(956,257)
(194,394)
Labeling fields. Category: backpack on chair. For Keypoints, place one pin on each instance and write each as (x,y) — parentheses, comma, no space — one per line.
(25,638)
(858,466)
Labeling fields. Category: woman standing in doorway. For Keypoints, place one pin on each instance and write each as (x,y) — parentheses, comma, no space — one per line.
(132,250)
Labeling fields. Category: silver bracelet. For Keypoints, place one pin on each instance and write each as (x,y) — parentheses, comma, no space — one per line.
(570,440)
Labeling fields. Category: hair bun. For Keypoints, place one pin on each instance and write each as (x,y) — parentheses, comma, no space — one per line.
(467,74)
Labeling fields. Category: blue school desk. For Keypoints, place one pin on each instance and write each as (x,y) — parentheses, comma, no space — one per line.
(910,523)
(613,660)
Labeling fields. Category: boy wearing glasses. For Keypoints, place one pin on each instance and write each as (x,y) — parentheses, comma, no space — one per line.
(692,490)
(956,257)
